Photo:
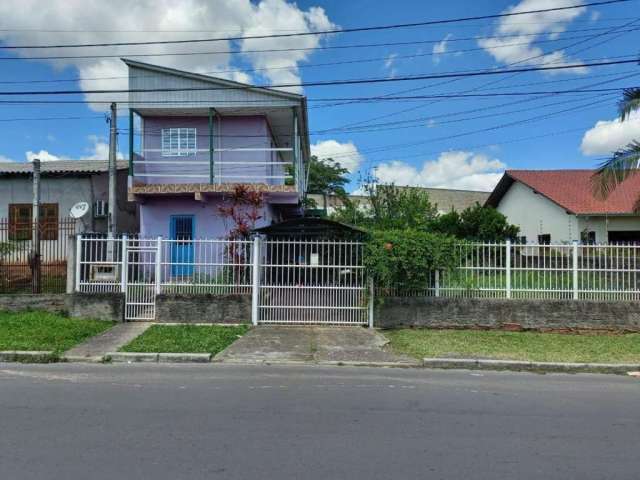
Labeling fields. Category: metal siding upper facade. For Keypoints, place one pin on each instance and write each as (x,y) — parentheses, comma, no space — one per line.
(221,94)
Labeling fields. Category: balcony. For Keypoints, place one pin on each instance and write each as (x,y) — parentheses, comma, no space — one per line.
(206,151)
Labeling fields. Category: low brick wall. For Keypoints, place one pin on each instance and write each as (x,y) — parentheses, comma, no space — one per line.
(203,308)
(98,306)
(18,302)
(439,312)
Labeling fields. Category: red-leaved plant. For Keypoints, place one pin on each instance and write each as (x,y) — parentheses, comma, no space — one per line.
(242,208)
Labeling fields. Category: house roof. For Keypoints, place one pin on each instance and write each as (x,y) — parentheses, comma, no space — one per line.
(61,166)
(311,227)
(210,79)
(571,190)
(446,199)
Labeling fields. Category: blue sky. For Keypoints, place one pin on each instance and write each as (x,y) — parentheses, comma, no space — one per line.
(459,143)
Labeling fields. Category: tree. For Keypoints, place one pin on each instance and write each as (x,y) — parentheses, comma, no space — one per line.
(389,207)
(326,177)
(484,224)
(624,162)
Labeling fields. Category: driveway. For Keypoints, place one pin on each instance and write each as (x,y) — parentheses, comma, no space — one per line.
(312,344)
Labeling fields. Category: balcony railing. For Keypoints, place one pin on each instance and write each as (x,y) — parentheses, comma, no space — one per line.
(217,163)
(229,165)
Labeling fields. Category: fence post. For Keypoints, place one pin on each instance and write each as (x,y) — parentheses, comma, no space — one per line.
(507,260)
(78,260)
(158,272)
(124,265)
(575,270)
(437,283)
(372,291)
(255,289)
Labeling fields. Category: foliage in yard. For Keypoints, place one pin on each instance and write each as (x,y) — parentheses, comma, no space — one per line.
(325,176)
(391,207)
(405,258)
(476,223)
(186,339)
(243,207)
(530,346)
(38,330)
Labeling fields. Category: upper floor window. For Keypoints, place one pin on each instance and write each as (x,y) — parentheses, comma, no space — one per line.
(178,142)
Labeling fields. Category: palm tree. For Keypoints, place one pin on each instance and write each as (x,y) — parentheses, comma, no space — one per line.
(626,161)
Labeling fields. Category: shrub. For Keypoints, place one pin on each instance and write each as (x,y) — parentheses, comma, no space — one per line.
(406,258)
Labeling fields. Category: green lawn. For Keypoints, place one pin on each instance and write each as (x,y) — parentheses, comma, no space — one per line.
(39,330)
(542,347)
(186,339)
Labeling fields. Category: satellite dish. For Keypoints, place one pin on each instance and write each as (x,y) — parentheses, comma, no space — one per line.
(79,210)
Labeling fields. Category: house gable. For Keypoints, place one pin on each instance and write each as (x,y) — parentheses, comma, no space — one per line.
(176,88)
(535,214)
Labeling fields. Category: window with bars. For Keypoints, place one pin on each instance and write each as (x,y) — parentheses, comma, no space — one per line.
(21,218)
(179,142)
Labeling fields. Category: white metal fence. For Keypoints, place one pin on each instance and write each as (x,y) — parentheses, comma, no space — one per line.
(312,282)
(291,282)
(144,268)
(324,282)
(536,271)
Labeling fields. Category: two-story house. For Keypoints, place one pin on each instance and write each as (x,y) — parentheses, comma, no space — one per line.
(194,138)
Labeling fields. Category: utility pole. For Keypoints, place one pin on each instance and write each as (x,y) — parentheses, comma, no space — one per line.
(113,172)
(35,229)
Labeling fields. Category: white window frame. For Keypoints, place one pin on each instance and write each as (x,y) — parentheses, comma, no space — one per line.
(181,148)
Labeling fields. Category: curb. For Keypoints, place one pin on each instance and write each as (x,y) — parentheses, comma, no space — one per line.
(81,359)
(538,367)
(134,357)
(25,356)
(128,357)
(352,363)
(184,357)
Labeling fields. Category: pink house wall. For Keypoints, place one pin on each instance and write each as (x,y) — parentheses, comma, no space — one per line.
(229,132)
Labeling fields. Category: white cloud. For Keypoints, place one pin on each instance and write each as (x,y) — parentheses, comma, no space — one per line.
(440,48)
(43,155)
(390,64)
(94,21)
(277,15)
(533,25)
(346,154)
(607,136)
(453,169)
(5,159)
(97,150)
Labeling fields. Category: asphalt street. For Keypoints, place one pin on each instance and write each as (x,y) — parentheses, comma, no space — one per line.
(80,421)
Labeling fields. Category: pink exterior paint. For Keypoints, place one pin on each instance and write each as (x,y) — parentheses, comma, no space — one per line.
(229,132)
(155,215)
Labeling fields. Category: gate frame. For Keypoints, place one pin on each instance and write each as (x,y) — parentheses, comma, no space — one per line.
(257,264)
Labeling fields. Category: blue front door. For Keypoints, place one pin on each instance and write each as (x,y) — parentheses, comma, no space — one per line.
(182,229)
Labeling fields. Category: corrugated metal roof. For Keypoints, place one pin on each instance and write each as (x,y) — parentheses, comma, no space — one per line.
(446,199)
(61,166)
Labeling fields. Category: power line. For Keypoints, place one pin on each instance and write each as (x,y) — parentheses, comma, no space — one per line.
(281,50)
(614,29)
(334,99)
(321,32)
(40,30)
(329,82)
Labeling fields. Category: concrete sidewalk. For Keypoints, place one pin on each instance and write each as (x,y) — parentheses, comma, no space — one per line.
(95,348)
(312,344)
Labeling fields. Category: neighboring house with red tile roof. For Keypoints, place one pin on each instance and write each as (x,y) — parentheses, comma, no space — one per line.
(559,206)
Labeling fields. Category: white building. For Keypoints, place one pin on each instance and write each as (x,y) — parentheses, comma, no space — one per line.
(559,206)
